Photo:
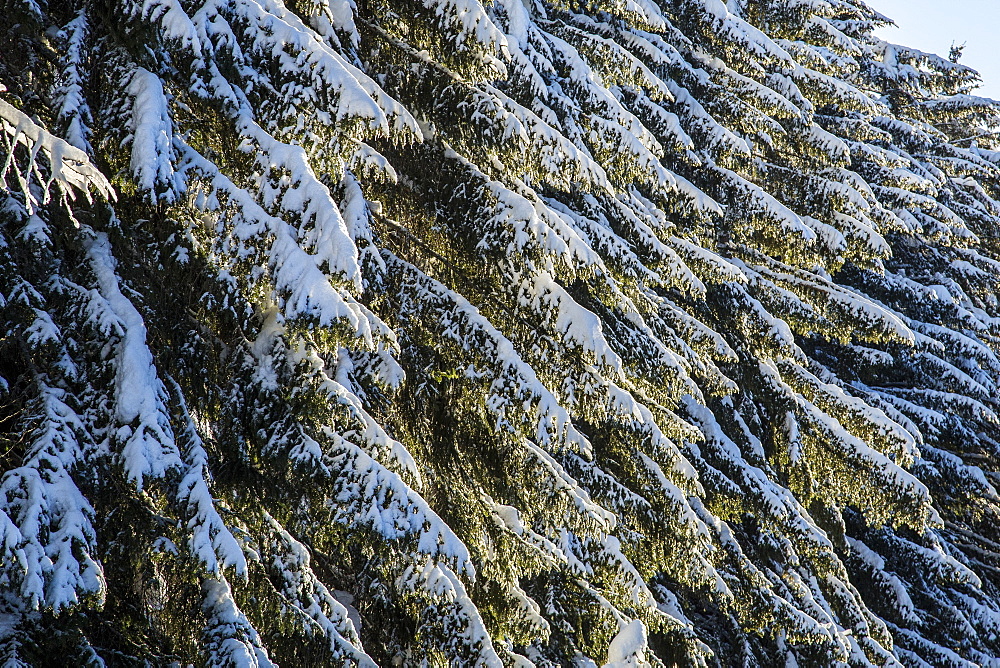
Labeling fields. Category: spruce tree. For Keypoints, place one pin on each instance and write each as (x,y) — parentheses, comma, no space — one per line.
(449,332)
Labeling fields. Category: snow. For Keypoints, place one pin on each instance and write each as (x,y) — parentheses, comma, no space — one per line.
(903,603)
(627,648)
(475,24)
(148,449)
(231,638)
(346,599)
(578,326)
(444,587)
(765,206)
(306,290)
(307,596)
(72,111)
(322,230)
(210,541)
(170,16)
(151,132)
(47,539)
(69,168)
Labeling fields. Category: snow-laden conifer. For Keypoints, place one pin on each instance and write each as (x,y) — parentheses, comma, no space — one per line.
(629,333)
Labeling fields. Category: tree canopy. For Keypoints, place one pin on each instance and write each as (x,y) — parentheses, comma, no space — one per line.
(525,332)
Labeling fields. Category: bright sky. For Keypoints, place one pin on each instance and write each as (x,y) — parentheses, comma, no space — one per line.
(932,25)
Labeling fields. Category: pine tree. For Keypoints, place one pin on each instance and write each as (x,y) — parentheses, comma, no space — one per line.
(514,333)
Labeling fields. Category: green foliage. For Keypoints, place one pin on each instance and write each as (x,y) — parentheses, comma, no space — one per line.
(510,333)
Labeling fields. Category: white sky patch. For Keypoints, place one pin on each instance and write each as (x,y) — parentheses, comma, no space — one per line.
(933,25)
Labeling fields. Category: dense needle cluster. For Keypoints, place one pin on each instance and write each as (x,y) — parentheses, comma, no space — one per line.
(509,333)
